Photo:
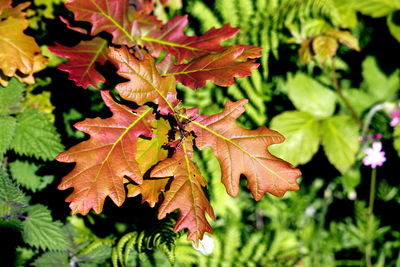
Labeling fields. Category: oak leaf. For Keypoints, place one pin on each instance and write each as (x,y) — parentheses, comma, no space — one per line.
(82,60)
(106,158)
(185,192)
(171,39)
(18,52)
(219,68)
(118,18)
(145,82)
(149,153)
(242,151)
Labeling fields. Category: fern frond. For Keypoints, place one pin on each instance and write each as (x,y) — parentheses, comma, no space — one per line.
(36,136)
(204,15)
(228,11)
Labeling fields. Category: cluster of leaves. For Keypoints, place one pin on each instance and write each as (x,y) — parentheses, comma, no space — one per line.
(151,148)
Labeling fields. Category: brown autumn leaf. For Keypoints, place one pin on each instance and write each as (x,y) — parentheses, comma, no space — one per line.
(106,158)
(242,151)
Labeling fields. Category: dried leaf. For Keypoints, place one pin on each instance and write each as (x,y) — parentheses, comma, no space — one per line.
(185,193)
(242,151)
(82,60)
(104,159)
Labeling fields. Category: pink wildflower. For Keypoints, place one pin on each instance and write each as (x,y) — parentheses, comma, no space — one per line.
(375,157)
(395,115)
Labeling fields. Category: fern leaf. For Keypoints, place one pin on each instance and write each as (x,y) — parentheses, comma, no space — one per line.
(10,97)
(204,15)
(228,11)
(52,259)
(12,199)
(23,173)
(7,126)
(36,136)
(40,231)
(246,8)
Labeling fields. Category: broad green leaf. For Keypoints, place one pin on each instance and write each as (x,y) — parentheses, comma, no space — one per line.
(185,193)
(242,151)
(52,259)
(36,136)
(40,231)
(106,158)
(149,153)
(7,126)
(393,26)
(340,139)
(396,139)
(359,99)
(380,86)
(12,199)
(10,97)
(302,133)
(310,96)
(375,8)
(351,179)
(24,173)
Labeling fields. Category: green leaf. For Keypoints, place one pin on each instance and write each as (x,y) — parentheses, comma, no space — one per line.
(351,179)
(393,26)
(375,8)
(7,126)
(340,139)
(359,99)
(396,139)
(36,136)
(380,86)
(40,231)
(24,173)
(10,97)
(12,199)
(310,96)
(302,131)
(52,259)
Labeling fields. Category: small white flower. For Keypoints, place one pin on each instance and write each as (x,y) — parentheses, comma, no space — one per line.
(352,195)
(375,157)
(206,245)
(310,211)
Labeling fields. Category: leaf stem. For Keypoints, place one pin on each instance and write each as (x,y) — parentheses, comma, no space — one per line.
(369,246)
(335,82)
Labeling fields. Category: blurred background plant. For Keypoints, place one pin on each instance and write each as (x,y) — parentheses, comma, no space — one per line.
(329,81)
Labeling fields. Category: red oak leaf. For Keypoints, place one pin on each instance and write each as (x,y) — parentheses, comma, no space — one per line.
(82,59)
(220,67)
(242,151)
(145,82)
(104,159)
(185,192)
(171,38)
(119,19)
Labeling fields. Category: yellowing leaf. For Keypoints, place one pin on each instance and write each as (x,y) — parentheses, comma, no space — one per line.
(305,53)
(185,192)
(324,46)
(242,151)
(104,159)
(18,52)
(148,153)
(345,38)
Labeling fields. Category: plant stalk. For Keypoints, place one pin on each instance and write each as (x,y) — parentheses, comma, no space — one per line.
(369,246)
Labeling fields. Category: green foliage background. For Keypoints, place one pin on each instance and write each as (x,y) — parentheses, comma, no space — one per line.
(329,111)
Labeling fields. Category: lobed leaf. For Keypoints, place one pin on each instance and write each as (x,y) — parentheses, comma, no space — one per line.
(149,153)
(108,156)
(242,151)
(220,68)
(171,39)
(185,192)
(115,17)
(82,60)
(145,83)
